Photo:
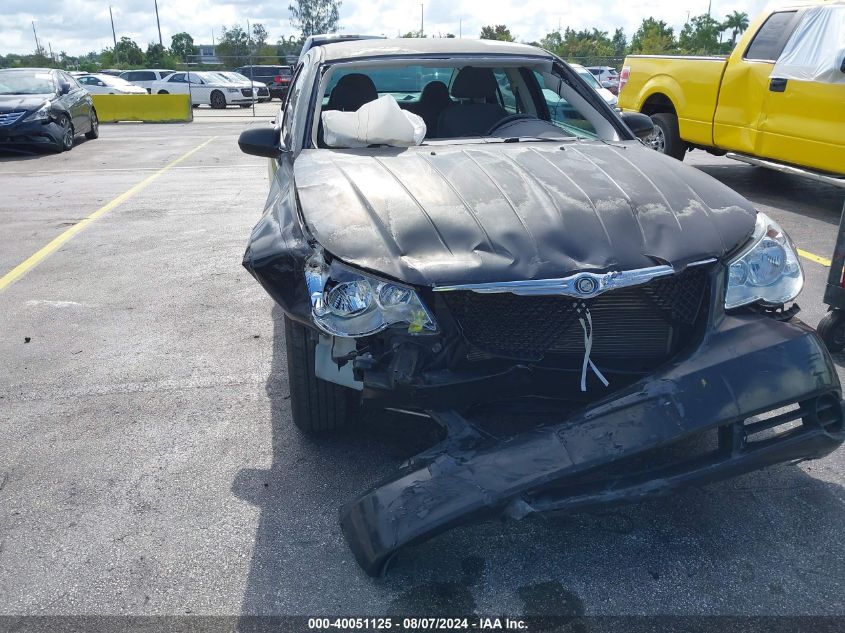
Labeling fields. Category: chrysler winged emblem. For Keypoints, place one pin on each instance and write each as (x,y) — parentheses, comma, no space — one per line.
(582,285)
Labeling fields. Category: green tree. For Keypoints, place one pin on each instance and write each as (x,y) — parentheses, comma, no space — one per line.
(619,43)
(654,37)
(290,46)
(700,35)
(259,35)
(413,34)
(182,46)
(736,23)
(128,53)
(315,16)
(155,55)
(499,32)
(233,47)
(588,47)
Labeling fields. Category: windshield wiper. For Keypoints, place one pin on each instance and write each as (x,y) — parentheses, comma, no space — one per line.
(535,139)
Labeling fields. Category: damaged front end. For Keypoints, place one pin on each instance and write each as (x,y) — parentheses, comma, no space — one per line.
(627,363)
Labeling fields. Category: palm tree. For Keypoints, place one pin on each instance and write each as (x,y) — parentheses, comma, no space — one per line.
(736,22)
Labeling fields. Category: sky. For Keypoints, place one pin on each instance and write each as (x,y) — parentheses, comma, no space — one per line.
(80,26)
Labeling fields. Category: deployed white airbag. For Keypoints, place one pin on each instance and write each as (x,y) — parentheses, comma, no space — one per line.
(379,122)
(815,50)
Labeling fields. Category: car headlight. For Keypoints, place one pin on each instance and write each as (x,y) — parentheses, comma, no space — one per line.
(348,303)
(232,90)
(767,271)
(40,114)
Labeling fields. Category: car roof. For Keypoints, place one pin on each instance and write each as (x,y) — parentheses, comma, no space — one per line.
(322,37)
(425,46)
(29,70)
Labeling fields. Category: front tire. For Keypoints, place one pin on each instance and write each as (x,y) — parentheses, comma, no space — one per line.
(68,134)
(218,100)
(317,405)
(163,92)
(666,137)
(94,132)
(831,329)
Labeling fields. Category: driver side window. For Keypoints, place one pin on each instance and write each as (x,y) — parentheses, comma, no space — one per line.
(562,113)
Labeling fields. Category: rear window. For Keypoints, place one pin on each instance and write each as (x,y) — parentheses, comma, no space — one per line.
(771,38)
(141,75)
(403,82)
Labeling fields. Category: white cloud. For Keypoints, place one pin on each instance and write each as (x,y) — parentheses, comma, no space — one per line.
(79,26)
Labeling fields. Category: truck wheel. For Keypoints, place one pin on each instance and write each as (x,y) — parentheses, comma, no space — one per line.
(666,138)
(317,405)
(831,329)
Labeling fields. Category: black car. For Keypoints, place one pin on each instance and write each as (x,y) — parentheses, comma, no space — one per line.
(44,108)
(589,322)
(277,78)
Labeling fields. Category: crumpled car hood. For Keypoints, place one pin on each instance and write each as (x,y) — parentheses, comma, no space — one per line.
(476,213)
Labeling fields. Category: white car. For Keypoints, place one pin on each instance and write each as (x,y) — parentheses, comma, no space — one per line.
(262,92)
(205,88)
(587,76)
(99,84)
(146,77)
(607,76)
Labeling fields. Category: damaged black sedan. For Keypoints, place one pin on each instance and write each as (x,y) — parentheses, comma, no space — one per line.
(43,108)
(457,224)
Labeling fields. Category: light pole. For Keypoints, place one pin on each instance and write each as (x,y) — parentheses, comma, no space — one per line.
(113,35)
(37,45)
(158,24)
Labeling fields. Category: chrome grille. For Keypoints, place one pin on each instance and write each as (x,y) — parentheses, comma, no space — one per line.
(7,118)
(639,323)
(247,92)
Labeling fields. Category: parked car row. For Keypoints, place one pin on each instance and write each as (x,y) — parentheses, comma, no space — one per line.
(219,88)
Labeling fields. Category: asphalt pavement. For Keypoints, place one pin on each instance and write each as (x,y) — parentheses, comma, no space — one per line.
(148,463)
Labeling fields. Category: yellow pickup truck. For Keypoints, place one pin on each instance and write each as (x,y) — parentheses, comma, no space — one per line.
(777,100)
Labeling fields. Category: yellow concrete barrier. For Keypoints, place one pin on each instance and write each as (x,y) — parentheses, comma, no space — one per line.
(148,108)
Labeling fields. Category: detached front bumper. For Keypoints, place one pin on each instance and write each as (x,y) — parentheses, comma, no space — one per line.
(746,367)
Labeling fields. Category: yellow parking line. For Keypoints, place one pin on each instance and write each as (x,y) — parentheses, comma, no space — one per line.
(814,258)
(31,262)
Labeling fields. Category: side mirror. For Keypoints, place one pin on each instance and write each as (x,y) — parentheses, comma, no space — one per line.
(640,124)
(64,88)
(261,141)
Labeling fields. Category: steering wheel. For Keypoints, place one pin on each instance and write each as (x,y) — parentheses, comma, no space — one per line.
(520,116)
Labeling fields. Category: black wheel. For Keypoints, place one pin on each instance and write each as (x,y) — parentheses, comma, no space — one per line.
(317,405)
(94,132)
(68,133)
(163,92)
(218,100)
(831,329)
(666,138)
